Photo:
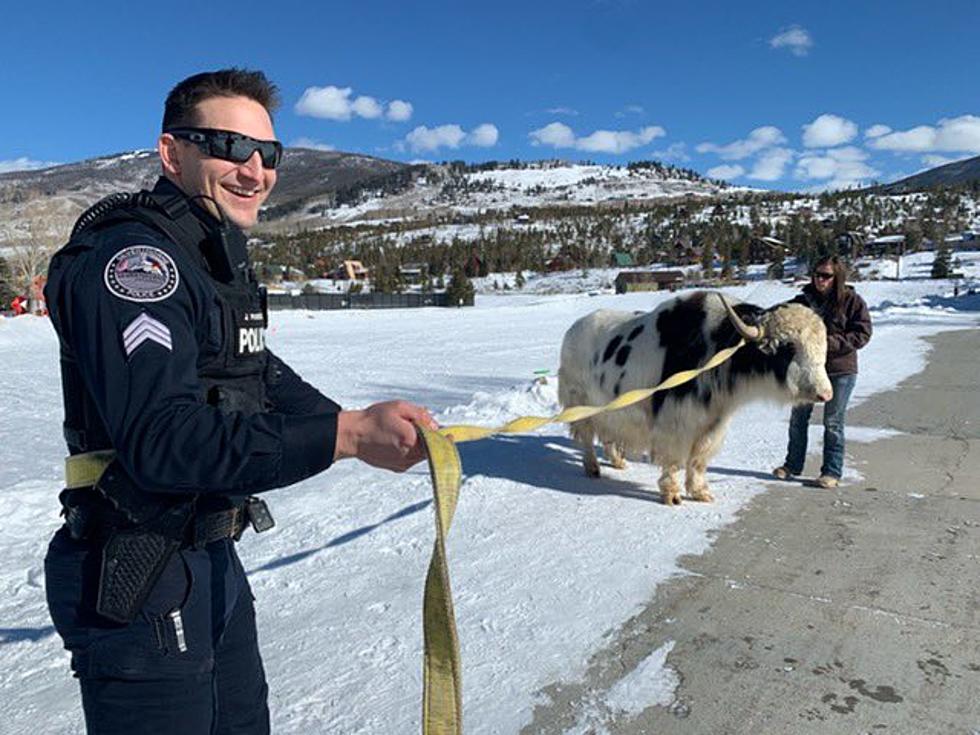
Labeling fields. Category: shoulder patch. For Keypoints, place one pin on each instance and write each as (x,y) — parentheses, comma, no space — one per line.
(141,273)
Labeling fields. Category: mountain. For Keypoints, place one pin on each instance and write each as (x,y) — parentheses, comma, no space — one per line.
(950,174)
(53,197)
(319,189)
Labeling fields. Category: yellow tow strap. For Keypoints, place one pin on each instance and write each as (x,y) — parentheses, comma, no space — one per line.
(442,699)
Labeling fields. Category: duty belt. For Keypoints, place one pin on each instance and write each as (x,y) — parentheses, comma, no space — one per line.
(84,470)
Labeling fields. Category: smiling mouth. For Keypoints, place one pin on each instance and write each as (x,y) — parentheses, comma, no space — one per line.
(241,192)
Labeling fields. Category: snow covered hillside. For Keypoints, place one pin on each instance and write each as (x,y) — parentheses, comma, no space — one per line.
(544,562)
(538,184)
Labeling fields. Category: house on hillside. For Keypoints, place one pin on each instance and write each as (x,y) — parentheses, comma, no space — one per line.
(888,245)
(414,274)
(567,258)
(851,244)
(474,267)
(350,270)
(628,281)
(966,240)
(765,249)
(271,273)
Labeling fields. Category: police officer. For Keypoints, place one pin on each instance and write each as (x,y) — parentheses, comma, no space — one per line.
(176,415)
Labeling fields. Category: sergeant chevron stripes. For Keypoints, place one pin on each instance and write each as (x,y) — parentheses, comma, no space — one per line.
(145,328)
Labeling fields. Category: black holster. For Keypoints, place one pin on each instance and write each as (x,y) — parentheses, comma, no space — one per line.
(133,560)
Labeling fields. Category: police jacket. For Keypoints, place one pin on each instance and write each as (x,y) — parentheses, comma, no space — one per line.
(848,326)
(164,361)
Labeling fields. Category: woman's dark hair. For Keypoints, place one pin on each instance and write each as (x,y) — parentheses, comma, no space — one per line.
(840,279)
(180,109)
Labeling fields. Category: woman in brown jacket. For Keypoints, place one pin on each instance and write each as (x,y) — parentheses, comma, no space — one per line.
(848,330)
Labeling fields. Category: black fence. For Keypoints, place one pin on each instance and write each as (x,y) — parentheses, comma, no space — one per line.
(323,301)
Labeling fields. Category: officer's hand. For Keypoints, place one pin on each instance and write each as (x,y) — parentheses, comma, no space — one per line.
(383,435)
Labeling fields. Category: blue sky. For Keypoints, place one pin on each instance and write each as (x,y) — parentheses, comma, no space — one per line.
(769,94)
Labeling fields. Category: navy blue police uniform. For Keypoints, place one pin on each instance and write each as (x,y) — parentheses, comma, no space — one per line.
(171,393)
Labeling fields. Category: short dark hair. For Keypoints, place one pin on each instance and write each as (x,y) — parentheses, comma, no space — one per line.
(180,108)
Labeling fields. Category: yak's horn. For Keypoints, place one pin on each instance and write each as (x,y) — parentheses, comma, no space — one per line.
(751,333)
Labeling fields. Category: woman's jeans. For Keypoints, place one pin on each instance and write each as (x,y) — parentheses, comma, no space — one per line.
(833,430)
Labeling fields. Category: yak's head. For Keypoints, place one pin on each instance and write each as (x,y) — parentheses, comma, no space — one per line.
(797,332)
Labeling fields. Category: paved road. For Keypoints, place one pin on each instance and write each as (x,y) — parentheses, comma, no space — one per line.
(847,611)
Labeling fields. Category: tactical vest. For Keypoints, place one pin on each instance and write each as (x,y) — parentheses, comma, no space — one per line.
(232,375)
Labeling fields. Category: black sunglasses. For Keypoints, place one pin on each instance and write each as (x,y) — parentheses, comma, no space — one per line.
(230,146)
(822,275)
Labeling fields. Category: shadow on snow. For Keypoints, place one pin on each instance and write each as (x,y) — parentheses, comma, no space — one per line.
(16,635)
(545,462)
(550,463)
(342,539)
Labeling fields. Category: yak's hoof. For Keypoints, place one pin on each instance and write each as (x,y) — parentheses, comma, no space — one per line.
(701,494)
(592,470)
(671,498)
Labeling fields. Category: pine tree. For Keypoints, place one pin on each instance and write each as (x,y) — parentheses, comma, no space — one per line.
(726,255)
(942,265)
(707,259)
(460,291)
(7,291)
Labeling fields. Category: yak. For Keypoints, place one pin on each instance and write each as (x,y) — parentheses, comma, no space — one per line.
(608,353)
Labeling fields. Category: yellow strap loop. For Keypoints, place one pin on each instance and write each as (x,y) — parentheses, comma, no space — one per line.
(442,695)
(442,699)
(84,470)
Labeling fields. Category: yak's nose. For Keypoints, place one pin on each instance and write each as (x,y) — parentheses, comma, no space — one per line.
(824,396)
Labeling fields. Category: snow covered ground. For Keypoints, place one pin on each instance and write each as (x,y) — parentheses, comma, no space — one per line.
(545,563)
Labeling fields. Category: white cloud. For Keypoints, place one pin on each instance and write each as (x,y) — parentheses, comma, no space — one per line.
(951,135)
(770,165)
(673,152)
(725,172)
(619,141)
(367,107)
(559,135)
(484,136)
(330,103)
(876,131)
(23,164)
(765,137)
(430,139)
(424,139)
(335,103)
(316,145)
(844,168)
(794,38)
(561,111)
(829,130)
(399,110)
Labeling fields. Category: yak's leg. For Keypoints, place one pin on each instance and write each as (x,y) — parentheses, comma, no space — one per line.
(584,433)
(703,450)
(614,454)
(670,489)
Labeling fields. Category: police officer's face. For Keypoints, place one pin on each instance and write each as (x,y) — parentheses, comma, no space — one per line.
(238,188)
